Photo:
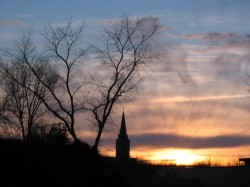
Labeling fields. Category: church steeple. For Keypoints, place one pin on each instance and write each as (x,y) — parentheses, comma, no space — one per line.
(123,130)
(123,143)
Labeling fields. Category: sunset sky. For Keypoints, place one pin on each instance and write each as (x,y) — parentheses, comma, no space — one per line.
(194,99)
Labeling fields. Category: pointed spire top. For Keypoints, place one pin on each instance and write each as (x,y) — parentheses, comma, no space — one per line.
(123,131)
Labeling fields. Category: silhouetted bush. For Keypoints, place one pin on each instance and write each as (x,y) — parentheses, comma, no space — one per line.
(48,158)
(49,161)
(57,135)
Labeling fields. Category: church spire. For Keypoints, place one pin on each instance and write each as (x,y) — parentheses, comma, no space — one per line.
(123,143)
(123,130)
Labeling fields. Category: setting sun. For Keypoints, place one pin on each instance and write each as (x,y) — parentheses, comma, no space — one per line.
(181,157)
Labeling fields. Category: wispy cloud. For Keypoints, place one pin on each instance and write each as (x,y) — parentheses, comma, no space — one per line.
(105,21)
(223,40)
(27,15)
(149,19)
(213,36)
(196,99)
(8,22)
(211,20)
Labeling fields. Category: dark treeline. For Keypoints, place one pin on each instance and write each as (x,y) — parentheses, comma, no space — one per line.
(50,159)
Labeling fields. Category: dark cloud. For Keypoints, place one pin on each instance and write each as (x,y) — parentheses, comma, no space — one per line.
(242,41)
(186,142)
(213,36)
(230,39)
(177,141)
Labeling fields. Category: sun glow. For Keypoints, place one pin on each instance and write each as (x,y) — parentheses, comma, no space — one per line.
(181,157)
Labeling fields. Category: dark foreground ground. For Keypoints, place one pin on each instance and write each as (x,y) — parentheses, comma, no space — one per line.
(53,163)
(42,163)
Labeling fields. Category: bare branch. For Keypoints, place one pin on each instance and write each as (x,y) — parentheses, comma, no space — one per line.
(127,48)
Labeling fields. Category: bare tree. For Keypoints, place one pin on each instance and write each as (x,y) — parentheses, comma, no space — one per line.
(64,45)
(127,49)
(22,89)
(64,54)
(3,108)
(5,126)
(22,104)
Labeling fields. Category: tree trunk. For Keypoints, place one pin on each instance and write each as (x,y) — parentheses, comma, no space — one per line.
(98,137)
(23,133)
(73,134)
(23,130)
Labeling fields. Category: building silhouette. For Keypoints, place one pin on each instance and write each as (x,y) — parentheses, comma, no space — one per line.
(123,143)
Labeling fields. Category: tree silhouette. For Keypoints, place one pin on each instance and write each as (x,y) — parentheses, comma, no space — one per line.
(21,87)
(57,79)
(126,51)
(63,43)
(5,125)
(61,85)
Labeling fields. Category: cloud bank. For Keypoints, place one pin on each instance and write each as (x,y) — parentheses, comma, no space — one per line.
(185,142)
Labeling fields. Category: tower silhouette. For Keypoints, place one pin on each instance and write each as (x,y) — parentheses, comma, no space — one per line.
(123,143)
